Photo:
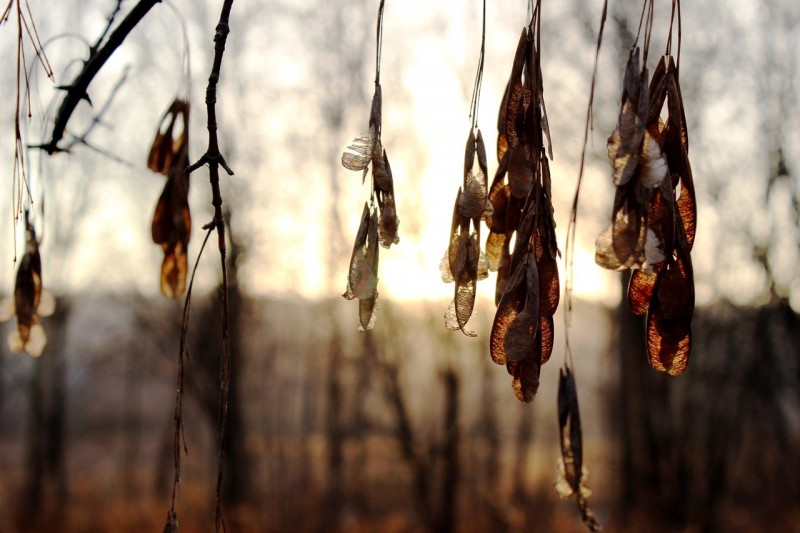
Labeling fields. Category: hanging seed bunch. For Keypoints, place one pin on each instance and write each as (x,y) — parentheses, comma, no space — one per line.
(527,290)
(572,475)
(30,301)
(378,225)
(172,221)
(655,214)
(464,263)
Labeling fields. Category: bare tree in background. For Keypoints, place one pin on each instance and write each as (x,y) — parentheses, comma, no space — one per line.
(340,48)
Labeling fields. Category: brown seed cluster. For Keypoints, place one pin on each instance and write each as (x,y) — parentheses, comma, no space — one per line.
(572,473)
(527,292)
(172,221)
(654,216)
(28,299)
(378,226)
(464,263)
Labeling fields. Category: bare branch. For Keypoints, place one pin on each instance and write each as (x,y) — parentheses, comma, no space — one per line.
(213,158)
(77,90)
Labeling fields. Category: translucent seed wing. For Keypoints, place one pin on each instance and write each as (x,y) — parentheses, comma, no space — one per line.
(640,290)
(525,378)
(358,155)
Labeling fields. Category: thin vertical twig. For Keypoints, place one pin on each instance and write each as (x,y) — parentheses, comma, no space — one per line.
(214,159)
(179,439)
(569,253)
(379,48)
(567,404)
(476,89)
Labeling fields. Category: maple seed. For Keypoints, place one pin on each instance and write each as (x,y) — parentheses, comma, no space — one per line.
(172,221)
(30,301)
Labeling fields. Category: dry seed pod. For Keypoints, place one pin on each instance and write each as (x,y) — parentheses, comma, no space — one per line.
(29,335)
(571,479)
(171,228)
(362,279)
(384,190)
(172,222)
(358,155)
(464,264)
(521,333)
(525,378)
(169,146)
(474,203)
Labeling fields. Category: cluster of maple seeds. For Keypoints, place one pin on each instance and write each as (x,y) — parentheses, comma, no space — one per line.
(172,221)
(378,225)
(654,216)
(30,301)
(464,263)
(527,291)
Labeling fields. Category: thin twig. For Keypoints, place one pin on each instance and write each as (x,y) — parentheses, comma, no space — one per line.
(379,48)
(183,354)
(83,138)
(213,158)
(476,89)
(569,253)
(108,27)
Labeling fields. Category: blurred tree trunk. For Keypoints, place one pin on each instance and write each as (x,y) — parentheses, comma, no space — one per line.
(647,438)
(334,430)
(238,479)
(131,424)
(519,490)
(346,65)
(450,453)
(490,457)
(46,484)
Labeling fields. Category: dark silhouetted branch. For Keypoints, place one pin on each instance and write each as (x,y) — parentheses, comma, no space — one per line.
(213,158)
(77,90)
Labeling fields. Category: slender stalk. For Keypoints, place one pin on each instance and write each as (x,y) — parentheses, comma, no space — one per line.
(214,159)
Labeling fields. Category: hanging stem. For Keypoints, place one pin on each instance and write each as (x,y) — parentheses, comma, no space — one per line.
(648,30)
(476,89)
(569,252)
(676,6)
(379,48)
(179,439)
(213,158)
